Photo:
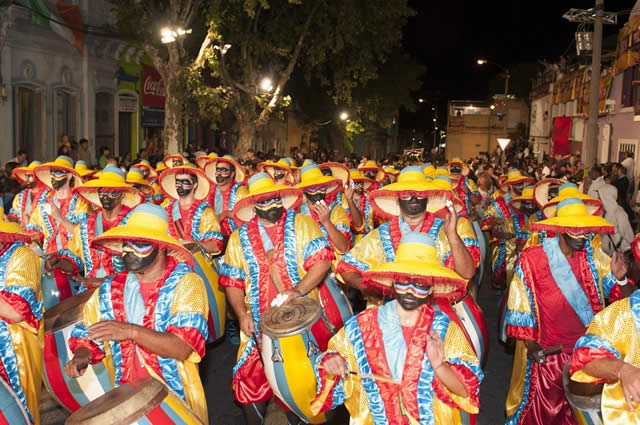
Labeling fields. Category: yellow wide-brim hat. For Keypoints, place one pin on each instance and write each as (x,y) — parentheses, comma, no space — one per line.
(169,160)
(542,188)
(457,161)
(147,223)
(429,170)
(417,261)
(392,173)
(441,192)
(311,178)
(572,217)
(514,176)
(11,231)
(83,169)
(372,166)
(63,162)
(167,181)
(261,188)
(159,167)
(135,177)
(21,173)
(144,164)
(269,167)
(210,168)
(337,170)
(357,176)
(202,161)
(527,195)
(111,177)
(570,190)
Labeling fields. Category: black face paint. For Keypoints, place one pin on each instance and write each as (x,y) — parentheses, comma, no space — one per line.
(272,214)
(358,187)
(553,191)
(221,179)
(576,244)
(58,183)
(517,188)
(184,186)
(529,207)
(278,175)
(30,182)
(315,198)
(109,200)
(455,169)
(409,301)
(371,174)
(326,172)
(413,206)
(135,263)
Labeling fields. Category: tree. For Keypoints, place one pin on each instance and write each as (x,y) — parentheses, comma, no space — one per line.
(141,21)
(342,44)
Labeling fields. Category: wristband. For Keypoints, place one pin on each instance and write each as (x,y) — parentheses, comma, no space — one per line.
(622,282)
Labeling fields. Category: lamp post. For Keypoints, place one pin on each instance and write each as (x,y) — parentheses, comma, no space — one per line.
(507,75)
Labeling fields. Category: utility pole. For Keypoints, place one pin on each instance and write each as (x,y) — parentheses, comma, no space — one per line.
(589,151)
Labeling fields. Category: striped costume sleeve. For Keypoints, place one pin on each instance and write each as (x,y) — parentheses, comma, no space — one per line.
(232,271)
(522,322)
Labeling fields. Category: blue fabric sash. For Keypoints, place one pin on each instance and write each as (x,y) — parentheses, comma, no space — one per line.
(404,226)
(266,240)
(304,209)
(218,200)
(134,306)
(395,347)
(99,231)
(566,281)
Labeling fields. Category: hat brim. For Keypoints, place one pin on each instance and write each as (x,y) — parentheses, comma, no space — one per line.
(594,206)
(337,170)
(86,173)
(112,239)
(332,185)
(444,281)
(89,191)
(380,176)
(43,173)
(524,179)
(291,198)
(210,168)
(385,202)
(578,225)
(167,182)
(203,161)
(541,190)
(167,161)
(152,172)
(20,174)
(146,190)
(270,169)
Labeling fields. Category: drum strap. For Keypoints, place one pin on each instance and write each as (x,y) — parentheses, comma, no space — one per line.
(179,228)
(274,273)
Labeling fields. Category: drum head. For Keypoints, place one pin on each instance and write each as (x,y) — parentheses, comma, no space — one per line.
(65,313)
(580,395)
(122,405)
(291,318)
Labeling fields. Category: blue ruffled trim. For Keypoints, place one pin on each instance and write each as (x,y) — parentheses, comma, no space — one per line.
(233,199)
(29,295)
(518,271)
(232,272)
(338,393)
(594,342)
(520,319)
(634,303)
(344,229)
(196,235)
(384,234)
(254,297)
(369,385)
(10,363)
(608,282)
(434,230)
(314,246)
(73,257)
(75,218)
(190,320)
(106,313)
(290,249)
(502,252)
(594,273)
(350,259)
(515,419)
(473,367)
(86,250)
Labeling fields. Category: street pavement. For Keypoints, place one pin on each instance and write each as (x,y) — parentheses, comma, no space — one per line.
(217,366)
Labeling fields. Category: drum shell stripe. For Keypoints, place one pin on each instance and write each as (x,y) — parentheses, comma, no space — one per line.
(215,296)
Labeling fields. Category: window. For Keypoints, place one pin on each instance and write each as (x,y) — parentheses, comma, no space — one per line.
(28,108)
(66,110)
(104,121)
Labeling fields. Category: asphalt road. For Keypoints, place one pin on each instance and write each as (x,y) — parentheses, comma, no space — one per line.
(218,363)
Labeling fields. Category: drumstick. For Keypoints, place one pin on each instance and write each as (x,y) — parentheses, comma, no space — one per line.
(372,376)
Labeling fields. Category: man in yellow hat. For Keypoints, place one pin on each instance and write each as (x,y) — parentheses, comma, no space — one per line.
(276,251)
(557,288)
(227,176)
(151,176)
(135,178)
(27,200)
(464,187)
(114,200)
(606,354)
(359,209)
(371,170)
(20,321)
(191,219)
(280,171)
(332,219)
(502,222)
(404,362)
(152,317)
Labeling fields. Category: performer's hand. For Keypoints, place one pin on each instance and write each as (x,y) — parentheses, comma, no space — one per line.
(291,294)
(335,365)
(619,266)
(323,212)
(78,364)
(225,214)
(451,221)
(348,191)
(533,352)
(111,330)
(630,383)
(91,282)
(435,349)
(50,264)
(246,325)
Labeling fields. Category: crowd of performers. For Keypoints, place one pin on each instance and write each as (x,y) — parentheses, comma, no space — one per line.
(111,283)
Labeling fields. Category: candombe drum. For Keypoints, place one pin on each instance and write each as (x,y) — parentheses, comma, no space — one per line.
(141,402)
(56,286)
(292,336)
(70,393)
(335,306)
(217,302)
(584,399)
(11,410)
(483,244)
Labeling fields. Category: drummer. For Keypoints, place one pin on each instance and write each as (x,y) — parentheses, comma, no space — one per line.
(557,288)
(332,219)
(608,353)
(154,320)
(191,219)
(227,176)
(113,199)
(275,251)
(27,200)
(20,315)
(419,367)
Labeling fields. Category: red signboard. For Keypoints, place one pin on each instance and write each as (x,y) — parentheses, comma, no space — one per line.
(153,90)
(560,135)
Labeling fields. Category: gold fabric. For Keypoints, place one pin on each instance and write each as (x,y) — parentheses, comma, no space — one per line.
(516,386)
(616,325)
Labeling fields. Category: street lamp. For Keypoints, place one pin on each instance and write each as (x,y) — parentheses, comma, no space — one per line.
(492,107)
(421,100)
(344,116)
(169,35)
(507,75)
(266,85)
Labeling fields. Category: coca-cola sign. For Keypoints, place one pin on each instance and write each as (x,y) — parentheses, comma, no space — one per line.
(153,90)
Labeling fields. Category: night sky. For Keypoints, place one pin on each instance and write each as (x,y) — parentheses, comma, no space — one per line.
(449,36)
